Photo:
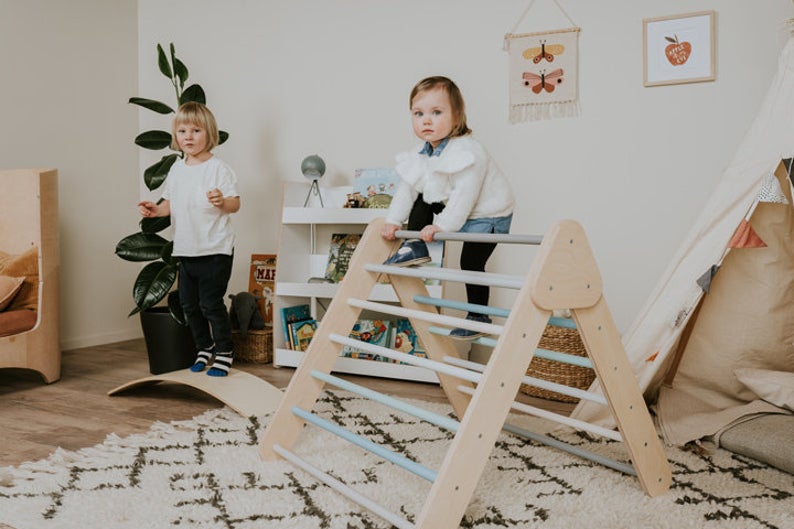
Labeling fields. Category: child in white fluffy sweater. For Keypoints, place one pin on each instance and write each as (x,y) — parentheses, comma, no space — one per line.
(448,183)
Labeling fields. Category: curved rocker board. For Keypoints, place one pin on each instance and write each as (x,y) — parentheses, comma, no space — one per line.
(244,393)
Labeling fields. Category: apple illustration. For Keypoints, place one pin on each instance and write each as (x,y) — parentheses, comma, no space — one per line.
(677,52)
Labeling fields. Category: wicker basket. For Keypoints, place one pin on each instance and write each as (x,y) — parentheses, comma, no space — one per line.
(256,347)
(563,340)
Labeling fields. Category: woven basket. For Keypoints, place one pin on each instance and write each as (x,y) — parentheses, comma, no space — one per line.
(563,340)
(256,347)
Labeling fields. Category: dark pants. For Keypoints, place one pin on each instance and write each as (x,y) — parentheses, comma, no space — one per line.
(473,255)
(202,286)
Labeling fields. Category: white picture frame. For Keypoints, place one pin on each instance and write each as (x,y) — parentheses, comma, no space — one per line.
(679,49)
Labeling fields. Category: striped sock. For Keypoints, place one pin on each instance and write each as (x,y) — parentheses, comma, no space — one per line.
(221,364)
(202,360)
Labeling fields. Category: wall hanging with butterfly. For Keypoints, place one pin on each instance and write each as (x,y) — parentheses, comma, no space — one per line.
(543,74)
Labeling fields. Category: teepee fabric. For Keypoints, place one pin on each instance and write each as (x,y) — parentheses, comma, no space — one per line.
(652,340)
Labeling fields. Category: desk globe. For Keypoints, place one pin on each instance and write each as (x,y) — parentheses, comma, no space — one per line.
(313,167)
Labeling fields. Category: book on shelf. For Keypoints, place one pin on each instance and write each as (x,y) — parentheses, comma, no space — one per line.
(291,315)
(374,188)
(301,333)
(405,339)
(374,331)
(339,252)
(262,283)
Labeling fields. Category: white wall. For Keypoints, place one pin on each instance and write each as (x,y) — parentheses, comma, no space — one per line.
(288,79)
(67,70)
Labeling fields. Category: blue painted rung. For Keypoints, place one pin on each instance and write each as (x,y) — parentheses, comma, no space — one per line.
(581,361)
(568,323)
(399,460)
(420,413)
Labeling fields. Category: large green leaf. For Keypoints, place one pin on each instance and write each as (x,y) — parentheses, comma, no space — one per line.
(193,93)
(141,247)
(152,284)
(175,307)
(162,63)
(223,136)
(155,224)
(155,174)
(165,254)
(153,139)
(151,104)
(181,72)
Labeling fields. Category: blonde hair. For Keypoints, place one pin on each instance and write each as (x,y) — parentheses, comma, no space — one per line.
(459,126)
(195,113)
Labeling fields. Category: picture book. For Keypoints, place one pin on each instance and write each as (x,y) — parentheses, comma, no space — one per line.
(302,333)
(290,315)
(405,339)
(376,332)
(339,253)
(376,186)
(262,283)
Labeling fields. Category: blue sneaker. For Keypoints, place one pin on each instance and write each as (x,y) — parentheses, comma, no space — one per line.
(466,334)
(411,252)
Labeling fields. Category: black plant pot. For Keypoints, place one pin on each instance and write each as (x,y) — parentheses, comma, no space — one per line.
(170,345)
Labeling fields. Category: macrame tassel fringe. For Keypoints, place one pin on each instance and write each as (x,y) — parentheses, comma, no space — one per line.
(541,111)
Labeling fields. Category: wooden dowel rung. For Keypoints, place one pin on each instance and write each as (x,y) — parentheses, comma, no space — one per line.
(450,274)
(532,381)
(362,442)
(440,367)
(503,238)
(420,413)
(432,317)
(341,488)
(556,417)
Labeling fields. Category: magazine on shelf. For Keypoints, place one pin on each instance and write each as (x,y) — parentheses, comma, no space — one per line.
(302,333)
(262,283)
(339,252)
(374,188)
(374,331)
(290,315)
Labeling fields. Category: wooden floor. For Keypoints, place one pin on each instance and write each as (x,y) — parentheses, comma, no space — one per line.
(75,412)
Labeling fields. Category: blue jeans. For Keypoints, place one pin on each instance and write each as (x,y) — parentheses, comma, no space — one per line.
(202,286)
(474,255)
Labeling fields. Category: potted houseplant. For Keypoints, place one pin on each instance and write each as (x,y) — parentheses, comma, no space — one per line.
(168,339)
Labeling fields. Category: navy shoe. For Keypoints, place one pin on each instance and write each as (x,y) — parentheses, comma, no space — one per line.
(466,334)
(411,252)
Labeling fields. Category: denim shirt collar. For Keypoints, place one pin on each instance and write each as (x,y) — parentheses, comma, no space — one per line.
(430,151)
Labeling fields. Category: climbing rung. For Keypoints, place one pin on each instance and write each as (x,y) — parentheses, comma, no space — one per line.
(503,238)
(532,381)
(450,274)
(343,489)
(431,317)
(399,460)
(565,358)
(439,367)
(420,413)
(485,309)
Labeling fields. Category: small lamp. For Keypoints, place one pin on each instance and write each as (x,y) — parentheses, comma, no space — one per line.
(313,167)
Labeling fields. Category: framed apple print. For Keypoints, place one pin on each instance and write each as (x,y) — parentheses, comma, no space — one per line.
(679,49)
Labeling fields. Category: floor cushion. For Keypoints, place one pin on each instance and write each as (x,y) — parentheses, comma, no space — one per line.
(768,438)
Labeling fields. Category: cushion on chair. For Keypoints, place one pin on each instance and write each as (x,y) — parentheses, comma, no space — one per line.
(16,321)
(9,287)
(25,265)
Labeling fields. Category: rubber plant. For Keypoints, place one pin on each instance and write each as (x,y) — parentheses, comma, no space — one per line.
(156,280)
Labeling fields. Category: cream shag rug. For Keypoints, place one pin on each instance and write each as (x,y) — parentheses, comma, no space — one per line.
(206,473)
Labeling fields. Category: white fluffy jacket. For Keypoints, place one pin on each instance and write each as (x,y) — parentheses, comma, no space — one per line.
(464,177)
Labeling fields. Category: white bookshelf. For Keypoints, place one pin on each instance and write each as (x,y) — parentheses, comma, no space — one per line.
(303,253)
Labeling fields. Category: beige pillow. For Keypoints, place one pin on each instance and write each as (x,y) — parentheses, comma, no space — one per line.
(9,287)
(775,387)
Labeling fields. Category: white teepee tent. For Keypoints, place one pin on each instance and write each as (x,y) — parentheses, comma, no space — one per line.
(746,319)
